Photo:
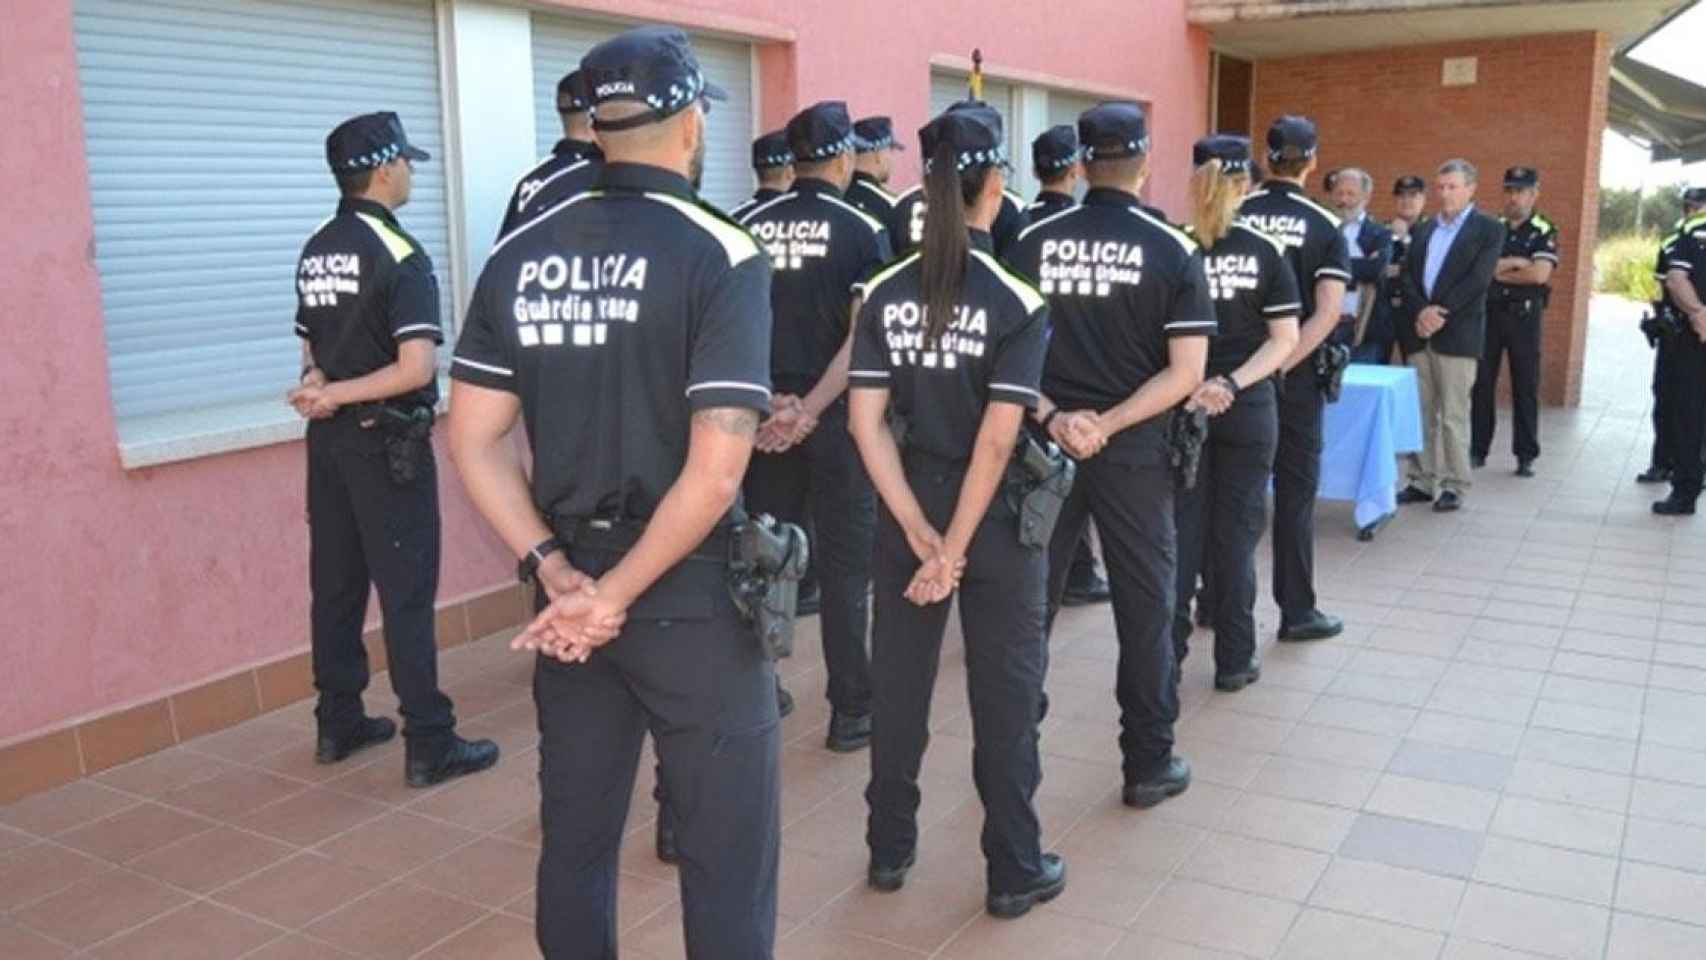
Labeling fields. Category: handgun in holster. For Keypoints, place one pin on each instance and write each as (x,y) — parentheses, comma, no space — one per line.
(1039,481)
(404,429)
(1187,430)
(1330,363)
(767,558)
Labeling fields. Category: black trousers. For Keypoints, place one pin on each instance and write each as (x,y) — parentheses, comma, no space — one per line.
(1687,412)
(1128,489)
(824,477)
(1297,478)
(1662,457)
(1221,520)
(1513,329)
(366,531)
(1001,617)
(697,682)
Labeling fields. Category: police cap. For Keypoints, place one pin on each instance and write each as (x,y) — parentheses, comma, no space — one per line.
(1231,150)
(1113,130)
(653,66)
(972,131)
(1519,177)
(820,131)
(1408,183)
(1292,138)
(1055,149)
(875,133)
(572,95)
(771,151)
(369,141)
(1694,196)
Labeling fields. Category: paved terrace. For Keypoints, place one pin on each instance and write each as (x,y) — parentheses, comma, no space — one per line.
(1503,758)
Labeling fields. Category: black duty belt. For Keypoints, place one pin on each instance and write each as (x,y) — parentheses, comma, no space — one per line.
(619,536)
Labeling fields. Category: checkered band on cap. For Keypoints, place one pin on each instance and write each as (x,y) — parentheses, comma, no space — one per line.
(774,160)
(1059,163)
(835,149)
(1112,151)
(374,160)
(681,93)
(966,159)
(866,146)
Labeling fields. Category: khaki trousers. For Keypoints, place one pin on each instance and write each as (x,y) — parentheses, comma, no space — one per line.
(1445,384)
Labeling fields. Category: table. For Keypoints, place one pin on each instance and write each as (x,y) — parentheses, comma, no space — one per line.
(1378,417)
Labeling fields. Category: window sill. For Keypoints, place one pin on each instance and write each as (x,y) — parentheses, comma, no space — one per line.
(194,434)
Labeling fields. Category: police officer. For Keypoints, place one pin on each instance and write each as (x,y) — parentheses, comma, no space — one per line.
(1409,196)
(773,165)
(1256,305)
(631,331)
(1516,308)
(956,341)
(1320,261)
(572,166)
(1130,320)
(368,317)
(874,148)
(908,223)
(1055,161)
(1660,465)
(1685,281)
(820,246)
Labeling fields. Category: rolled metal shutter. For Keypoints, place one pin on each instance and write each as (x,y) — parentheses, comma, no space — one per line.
(559,42)
(205,123)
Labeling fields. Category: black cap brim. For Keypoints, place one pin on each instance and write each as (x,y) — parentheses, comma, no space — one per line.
(714,92)
(414,153)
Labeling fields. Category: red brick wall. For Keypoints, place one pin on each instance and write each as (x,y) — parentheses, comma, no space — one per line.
(1538,101)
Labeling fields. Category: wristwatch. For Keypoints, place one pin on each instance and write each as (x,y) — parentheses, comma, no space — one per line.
(1045,421)
(1231,383)
(528,569)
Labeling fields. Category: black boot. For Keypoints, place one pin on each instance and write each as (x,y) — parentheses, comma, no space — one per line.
(1675,506)
(1170,782)
(666,837)
(1044,888)
(1654,475)
(1233,681)
(847,732)
(366,733)
(429,766)
(1315,626)
(889,879)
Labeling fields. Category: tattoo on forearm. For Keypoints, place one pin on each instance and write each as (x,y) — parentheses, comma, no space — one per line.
(735,421)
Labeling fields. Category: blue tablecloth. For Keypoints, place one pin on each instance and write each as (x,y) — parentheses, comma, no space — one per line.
(1378,417)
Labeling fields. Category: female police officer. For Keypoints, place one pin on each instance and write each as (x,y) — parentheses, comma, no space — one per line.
(1256,303)
(957,342)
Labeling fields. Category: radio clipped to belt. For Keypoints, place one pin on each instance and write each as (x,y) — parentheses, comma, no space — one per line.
(1040,481)
(404,430)
(1660,322)
(767,559)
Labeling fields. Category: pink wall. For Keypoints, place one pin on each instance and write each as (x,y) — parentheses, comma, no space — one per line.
(119,586)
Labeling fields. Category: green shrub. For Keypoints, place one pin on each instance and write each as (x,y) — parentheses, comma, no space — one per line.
(1624,265)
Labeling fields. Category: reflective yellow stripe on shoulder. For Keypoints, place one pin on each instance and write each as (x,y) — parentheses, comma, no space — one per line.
(883,275)
(1027,294)
(401,249)
(736,242)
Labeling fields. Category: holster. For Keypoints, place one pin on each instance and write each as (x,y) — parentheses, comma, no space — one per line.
(1187,430)
(1330,363)
(1039,480)
(404,429)
(767,558)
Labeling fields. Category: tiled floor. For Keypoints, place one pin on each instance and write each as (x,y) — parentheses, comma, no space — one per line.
(1504,757)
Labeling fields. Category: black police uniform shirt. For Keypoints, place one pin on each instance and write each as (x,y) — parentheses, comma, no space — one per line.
(1048,203)
(1251,285)
(615,316)
(1308,231)
(820,247)
(992,350)
(761,195)
(907,228)
(1394,285)
(1689,255)
(1534,239)
(873,199)
(1120,284)
(364,285)
(1667,246)
(571,168)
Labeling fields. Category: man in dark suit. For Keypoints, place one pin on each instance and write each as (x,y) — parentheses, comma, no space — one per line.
(1370,246)
(1449,267)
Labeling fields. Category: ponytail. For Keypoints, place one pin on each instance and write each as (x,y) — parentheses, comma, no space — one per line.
(945,242)
(1215,195)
